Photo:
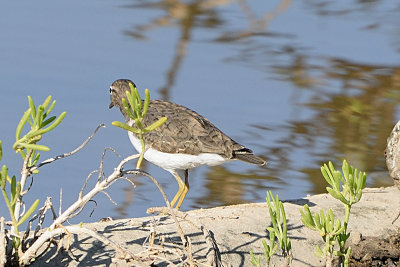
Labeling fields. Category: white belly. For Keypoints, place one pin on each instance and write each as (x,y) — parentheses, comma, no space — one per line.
(170,161)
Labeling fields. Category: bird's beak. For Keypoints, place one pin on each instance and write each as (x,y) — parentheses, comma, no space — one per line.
(111,105)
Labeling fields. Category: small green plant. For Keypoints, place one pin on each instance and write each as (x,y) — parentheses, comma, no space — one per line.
(278,230)
(269,250)
(347,188)
(40,123)
(137,110)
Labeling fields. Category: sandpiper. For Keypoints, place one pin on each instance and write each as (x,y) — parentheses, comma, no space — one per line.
(185,141)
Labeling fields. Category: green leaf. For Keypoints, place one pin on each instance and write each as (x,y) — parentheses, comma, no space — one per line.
(21,125)
(13,187)
(29,212)
(146,102)
(338,178)
(271,230)
(319,252)
(267,248)
(39,117)
(47,102)
(15,195)
(35,147)
(319,220)
(327,175)
(338,225)
(358,196)
(51,107)
(337,195)
(345,169)
(255,261)
(55,123)
(49,120)
(155,125)
(331,167)
(362,177)
(282,209)
(127,108)
(32,107)
(3,176)
(350,180)
(35,159)
(32,134)
(135,106)
(138,123)
(341,230)
(136,97)
(125,127)
(307,218)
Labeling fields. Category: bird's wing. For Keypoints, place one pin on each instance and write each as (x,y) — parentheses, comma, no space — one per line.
(185,131)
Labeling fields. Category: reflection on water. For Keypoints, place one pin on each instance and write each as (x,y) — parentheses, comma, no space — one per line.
(185,16)
(228,188)
(353,105)
(352,123)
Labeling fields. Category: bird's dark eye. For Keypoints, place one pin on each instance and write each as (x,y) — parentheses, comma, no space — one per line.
(111,90)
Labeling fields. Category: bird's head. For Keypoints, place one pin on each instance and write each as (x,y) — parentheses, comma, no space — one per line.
(118,92)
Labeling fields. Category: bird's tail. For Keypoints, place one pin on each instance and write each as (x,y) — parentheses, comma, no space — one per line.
(247,155)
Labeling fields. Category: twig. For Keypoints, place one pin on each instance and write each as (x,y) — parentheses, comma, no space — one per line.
(102,161)
(109,198)
(49,234)
(395,219)
(79,204)
(80,209)
(213,254)
(189,252)
(157,249)
(3,243)
(85,183)
(131,182)
(30,186)
(50,160)
(170,210)
(41,215)
(185,241)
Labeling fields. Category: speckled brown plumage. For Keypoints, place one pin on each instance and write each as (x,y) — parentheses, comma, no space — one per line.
(185,131)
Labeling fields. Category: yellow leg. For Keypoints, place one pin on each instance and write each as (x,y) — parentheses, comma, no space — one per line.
(181,188)
(184,191)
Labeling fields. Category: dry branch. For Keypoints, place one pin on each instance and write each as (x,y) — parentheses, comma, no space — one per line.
(70,212)
(49,234)
(50,160)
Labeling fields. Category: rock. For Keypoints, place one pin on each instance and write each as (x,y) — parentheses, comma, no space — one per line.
(392,154)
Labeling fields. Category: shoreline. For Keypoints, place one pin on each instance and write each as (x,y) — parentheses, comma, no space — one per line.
(236,229)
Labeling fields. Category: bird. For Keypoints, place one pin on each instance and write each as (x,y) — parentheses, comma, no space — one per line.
(185,141)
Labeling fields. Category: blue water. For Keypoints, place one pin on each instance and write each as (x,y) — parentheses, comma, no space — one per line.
(259,88)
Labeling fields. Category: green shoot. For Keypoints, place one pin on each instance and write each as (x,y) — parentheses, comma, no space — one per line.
(137,110)
(278,231)
(347,188)
(40,123)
